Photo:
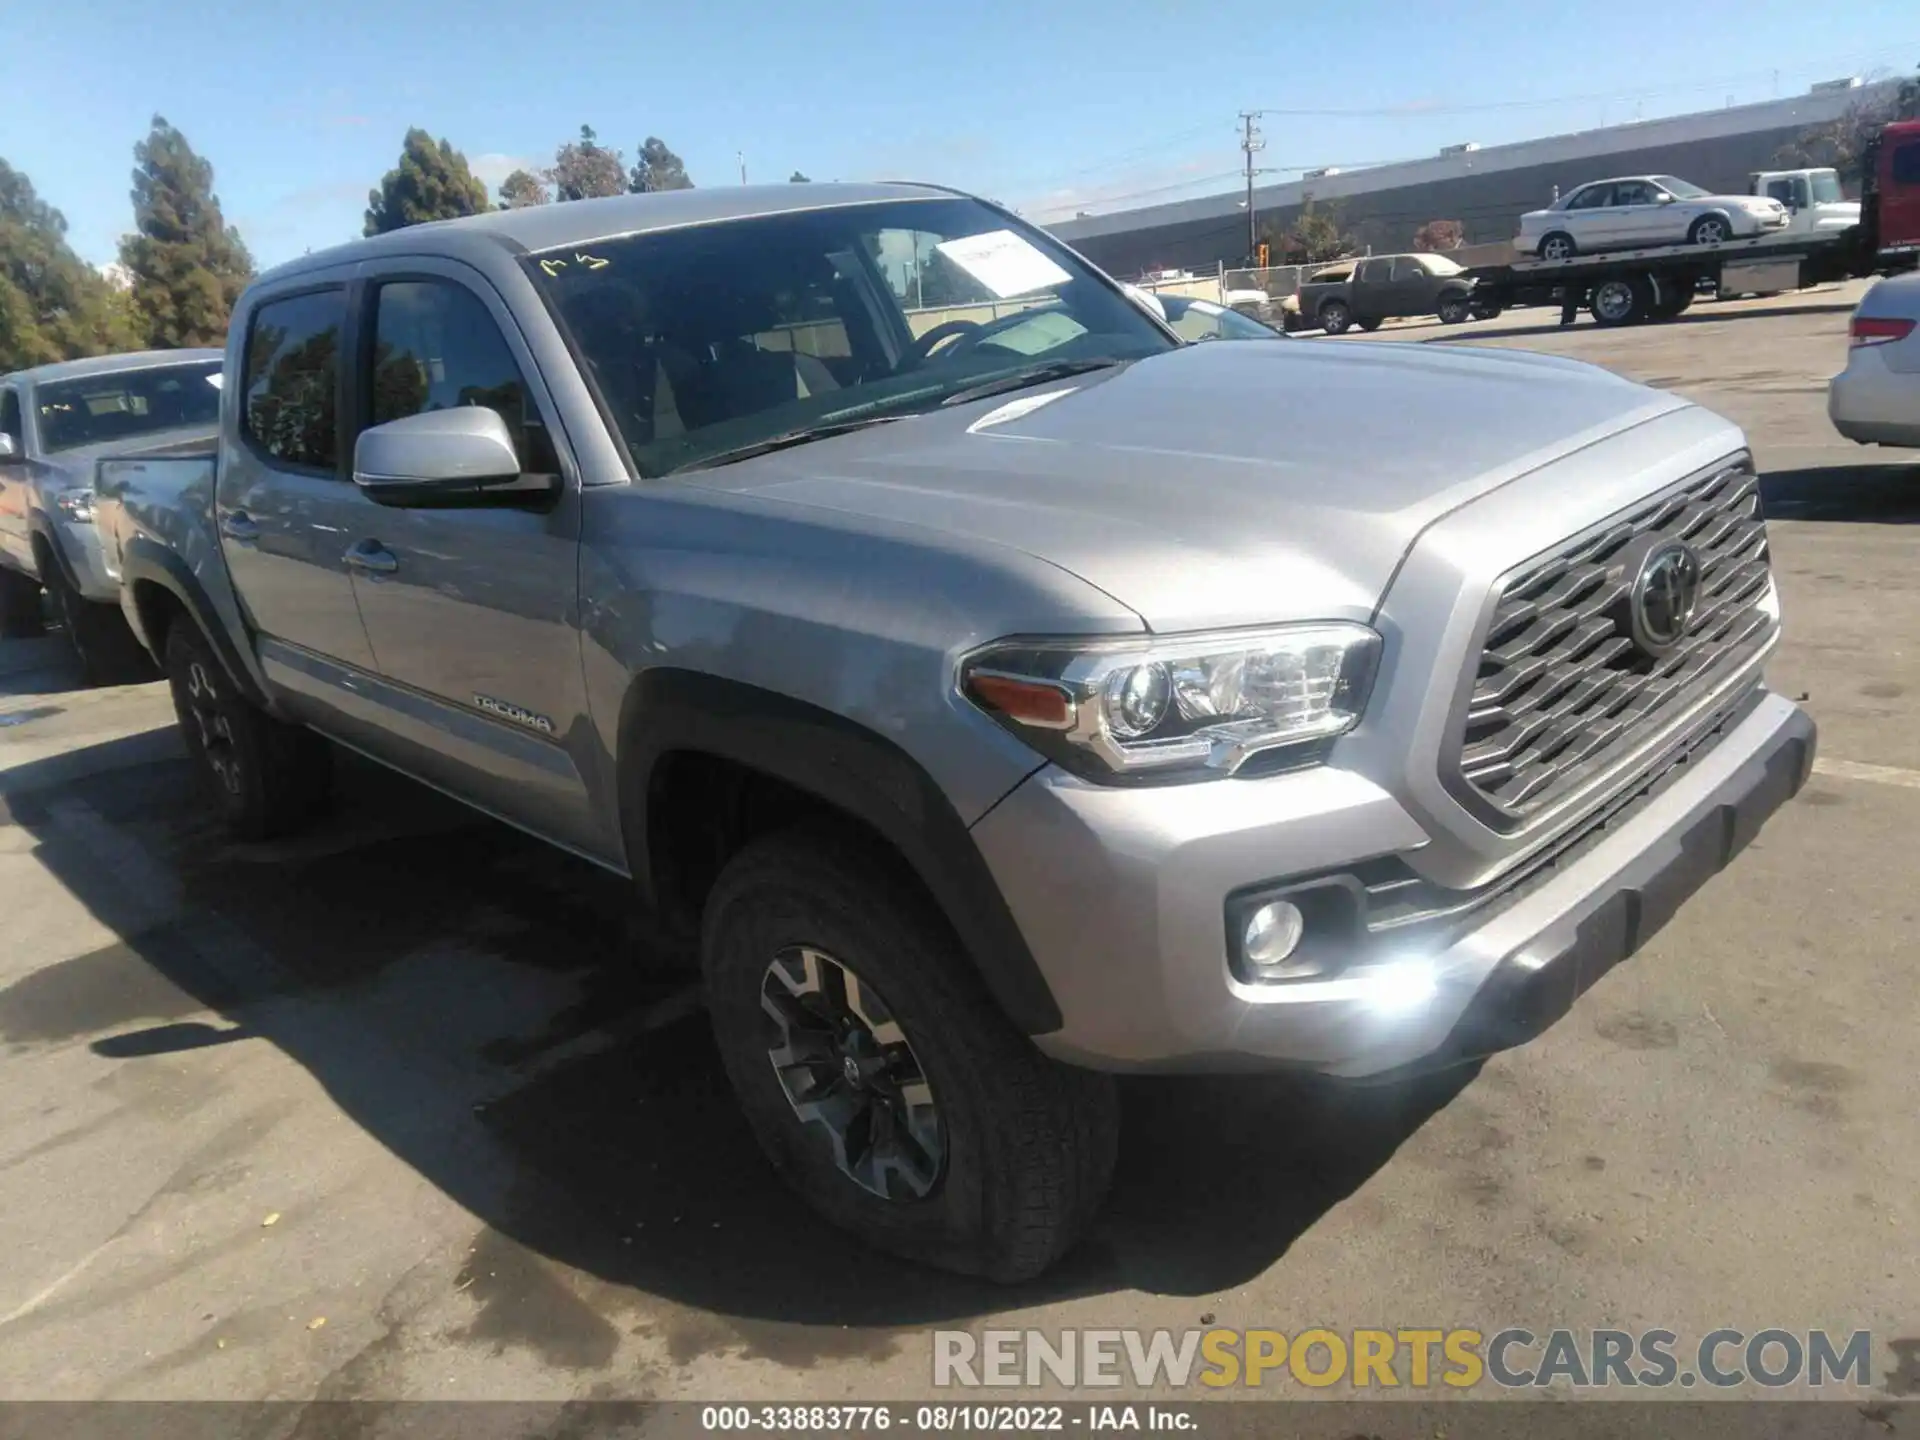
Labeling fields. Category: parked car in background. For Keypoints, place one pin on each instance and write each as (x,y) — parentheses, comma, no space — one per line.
(56,421)
(1001,706)
(1876,399)
(1631,211)
(1814,200)
(1193,319)
(1383,287)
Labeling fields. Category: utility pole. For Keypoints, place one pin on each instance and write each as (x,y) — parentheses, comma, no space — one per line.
(741,156)
(1251,141)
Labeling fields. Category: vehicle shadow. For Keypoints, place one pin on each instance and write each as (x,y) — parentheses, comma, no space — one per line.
(494,1014)
(1886,493)
(1703,312)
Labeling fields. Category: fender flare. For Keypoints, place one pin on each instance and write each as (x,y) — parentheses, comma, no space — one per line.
(144,562)
(852,769)
(39,527)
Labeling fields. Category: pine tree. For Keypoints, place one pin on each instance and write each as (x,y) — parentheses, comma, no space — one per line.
(431,182)
(188,265)
(523,188)
(53,305)
(658,168)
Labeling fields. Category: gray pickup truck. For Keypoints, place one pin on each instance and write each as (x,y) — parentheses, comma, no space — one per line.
(1003,693)
(56,421)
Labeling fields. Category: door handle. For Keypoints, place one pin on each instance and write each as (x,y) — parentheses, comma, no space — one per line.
(372,558)
(238,525)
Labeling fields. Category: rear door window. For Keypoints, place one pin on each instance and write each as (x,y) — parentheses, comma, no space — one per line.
(1408,267)
(1376,272)
(292,411)
(10,419)
(1594,197)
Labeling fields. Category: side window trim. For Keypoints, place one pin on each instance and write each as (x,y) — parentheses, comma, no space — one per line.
(10,402)
(341,460)
(358,398)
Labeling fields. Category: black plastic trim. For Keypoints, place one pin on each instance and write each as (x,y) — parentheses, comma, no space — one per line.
(38,524)
(852,769)
(142,561)
(1529,991)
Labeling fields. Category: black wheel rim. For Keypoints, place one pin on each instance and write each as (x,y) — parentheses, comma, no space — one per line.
(850,1075)
(212,727)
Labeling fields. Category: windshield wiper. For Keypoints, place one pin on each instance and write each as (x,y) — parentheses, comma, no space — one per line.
(785,440)
(1031,375)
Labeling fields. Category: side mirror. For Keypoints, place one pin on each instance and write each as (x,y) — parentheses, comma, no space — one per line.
(446,458)
(1663,199)
(10,451)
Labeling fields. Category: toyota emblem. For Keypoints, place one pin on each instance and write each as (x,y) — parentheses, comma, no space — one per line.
(1660,606)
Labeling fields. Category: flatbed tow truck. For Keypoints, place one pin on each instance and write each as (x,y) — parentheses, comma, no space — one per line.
(1627,287)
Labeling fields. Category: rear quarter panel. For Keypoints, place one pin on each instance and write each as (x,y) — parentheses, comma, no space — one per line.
(165,503)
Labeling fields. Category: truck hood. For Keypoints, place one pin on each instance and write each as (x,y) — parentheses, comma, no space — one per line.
(1221,484)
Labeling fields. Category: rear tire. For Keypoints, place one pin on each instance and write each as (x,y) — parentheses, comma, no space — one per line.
(99,635)
(1557,245)
(1621,300)
(264,776)
(1485,309)
(21,617)
(1335,317)
(1371,325)
(935,1130)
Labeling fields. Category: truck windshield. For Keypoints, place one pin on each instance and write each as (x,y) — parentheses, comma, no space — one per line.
(714,339)
(1825,185)
(127,404)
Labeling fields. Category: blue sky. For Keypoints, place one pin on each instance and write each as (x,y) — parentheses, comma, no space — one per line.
(1049,107)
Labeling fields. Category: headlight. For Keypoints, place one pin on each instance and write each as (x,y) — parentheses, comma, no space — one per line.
(1151,705)
(76,505)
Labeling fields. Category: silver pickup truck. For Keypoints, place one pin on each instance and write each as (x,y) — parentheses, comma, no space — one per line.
(56,421)
(1003,693)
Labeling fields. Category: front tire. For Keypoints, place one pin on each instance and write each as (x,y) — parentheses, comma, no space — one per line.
(264,776)
(1372,324)
(21,617)
(1335,317)
(99,635)
(1453,310)
(1709,230)
(880,1079)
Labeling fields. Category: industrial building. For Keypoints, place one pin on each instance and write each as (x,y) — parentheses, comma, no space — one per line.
(1485,189)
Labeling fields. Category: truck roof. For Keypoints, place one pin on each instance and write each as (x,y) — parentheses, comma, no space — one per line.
(108,365)
(579,222)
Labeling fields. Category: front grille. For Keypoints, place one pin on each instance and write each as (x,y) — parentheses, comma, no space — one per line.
(1561,689)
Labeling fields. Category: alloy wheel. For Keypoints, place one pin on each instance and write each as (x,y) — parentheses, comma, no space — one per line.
(851,1076)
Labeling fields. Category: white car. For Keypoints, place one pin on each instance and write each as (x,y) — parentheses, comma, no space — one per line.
(1630,211)
(1876,399)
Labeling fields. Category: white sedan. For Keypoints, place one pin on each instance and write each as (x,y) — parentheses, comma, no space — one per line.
(1876,399)
(1623,213)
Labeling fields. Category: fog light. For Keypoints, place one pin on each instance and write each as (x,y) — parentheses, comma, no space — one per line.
(1273,933)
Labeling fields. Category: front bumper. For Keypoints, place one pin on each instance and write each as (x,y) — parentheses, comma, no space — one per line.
(1121,894)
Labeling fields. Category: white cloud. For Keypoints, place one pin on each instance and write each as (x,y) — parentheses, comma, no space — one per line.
(492,168)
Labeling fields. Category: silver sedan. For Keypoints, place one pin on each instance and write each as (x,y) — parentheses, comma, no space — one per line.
(1630,211)
(1876,399)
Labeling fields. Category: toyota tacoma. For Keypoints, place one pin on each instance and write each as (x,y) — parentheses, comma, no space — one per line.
(1002,693)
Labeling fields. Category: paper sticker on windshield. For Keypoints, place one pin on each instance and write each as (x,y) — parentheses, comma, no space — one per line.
(1004,262)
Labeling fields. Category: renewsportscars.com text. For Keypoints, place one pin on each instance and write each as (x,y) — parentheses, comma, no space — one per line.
(1513,1358)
